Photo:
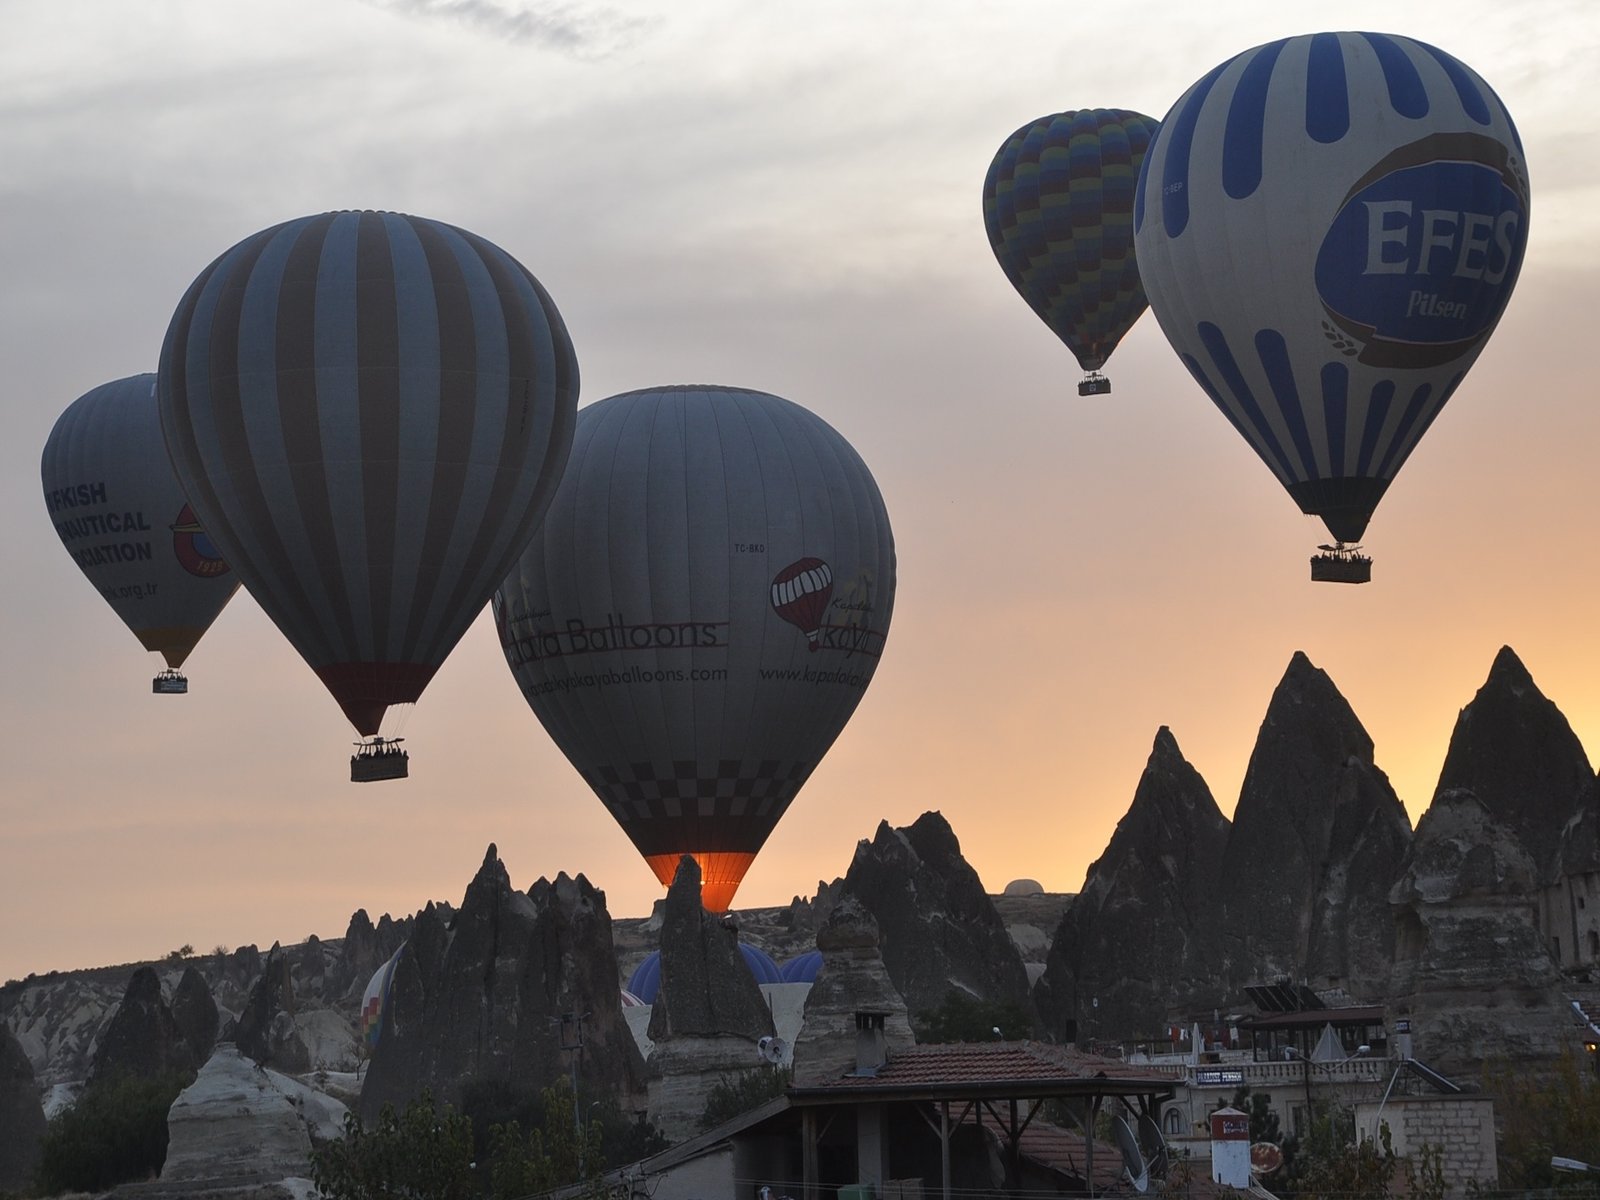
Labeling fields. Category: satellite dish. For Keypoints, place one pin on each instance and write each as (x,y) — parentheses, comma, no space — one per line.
(1265,1158)
(771,1050)
(1154,1146)
(1133,1164)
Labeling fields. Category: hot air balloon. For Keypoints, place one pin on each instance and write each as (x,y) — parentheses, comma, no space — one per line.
(699,614)
(121,513)
(375,1000)
(369,412)
(1058,206)
(1328,228)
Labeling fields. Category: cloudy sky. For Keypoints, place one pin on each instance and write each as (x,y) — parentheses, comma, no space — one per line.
(777,196)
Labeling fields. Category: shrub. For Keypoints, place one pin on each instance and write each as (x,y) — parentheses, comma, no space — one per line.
(423,1153)
(964,1018)
(735,1094)
(115,1133)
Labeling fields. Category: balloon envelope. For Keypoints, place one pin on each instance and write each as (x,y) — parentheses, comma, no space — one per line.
(1058,207)
(1328,228)
(370,412)
(121,513)
(664,623)
(375,1000)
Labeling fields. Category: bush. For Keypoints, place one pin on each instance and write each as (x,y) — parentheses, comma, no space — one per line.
(422,1153)
(735,1094)
(963,1018)
(115,1133)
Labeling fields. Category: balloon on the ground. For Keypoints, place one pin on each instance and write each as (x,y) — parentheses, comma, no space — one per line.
(699,614)
(370,412)
(1058,207)
(1328,228)
(121,513)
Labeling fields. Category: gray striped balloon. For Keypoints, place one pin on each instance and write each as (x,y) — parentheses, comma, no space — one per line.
(121,513)
(370,412)
(1328,228)
(699,615)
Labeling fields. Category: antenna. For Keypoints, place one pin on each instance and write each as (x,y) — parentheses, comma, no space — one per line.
(771,1050)
(1133,1164)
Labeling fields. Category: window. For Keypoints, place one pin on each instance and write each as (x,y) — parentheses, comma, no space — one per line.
(1594,943)
(1172,1120)
(1580,901)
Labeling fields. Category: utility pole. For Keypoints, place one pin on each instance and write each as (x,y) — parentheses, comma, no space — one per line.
(574,1021)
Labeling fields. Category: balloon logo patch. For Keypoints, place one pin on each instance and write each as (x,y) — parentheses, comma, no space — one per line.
(194,550)
(1421,256)
(800,595)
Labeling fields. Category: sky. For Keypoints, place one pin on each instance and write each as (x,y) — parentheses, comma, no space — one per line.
(782,197)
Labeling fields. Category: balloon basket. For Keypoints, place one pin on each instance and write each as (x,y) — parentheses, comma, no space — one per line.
(169,683)
(1094,384)
(379,759)
(1341,564)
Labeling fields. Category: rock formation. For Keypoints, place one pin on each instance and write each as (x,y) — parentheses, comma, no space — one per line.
(706,989)
(143,1038)
(1470,967)
(239,1128)
(1318,838)
(852,979)
(1138,939)
(265,1030)
(1512,748)
(709,1015)
(194,1010)
(481,1000)
(938,928)
(21,1116)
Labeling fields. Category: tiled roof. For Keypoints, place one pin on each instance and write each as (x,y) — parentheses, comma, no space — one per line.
(1063,1150)
(1004,1064)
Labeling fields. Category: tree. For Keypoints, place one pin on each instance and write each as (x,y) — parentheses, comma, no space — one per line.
(1544,1116)
(116,1132)
(1333,1165)
(550,1156)
(424,1153)
(964,1018)
(732,1095)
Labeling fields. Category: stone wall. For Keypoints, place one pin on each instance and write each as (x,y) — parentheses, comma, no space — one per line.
(1461,1126)
(1569,919)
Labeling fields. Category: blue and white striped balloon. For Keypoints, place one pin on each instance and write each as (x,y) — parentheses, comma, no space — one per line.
(1328,228)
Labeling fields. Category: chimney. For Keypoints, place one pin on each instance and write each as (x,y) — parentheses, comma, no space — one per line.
(872,1045)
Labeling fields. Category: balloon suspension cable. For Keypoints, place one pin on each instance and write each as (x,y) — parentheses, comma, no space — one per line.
(1094,384)
(379,758)
(1341,562)
(170,682)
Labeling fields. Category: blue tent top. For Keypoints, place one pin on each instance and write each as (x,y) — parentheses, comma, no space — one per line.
(802,968)
(645,981)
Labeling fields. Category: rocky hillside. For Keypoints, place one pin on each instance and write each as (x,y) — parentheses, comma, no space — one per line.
(1319,879)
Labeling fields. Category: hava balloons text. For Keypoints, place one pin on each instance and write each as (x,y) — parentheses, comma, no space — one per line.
(370,412)
(121,513)
(1328,228)
(699,615)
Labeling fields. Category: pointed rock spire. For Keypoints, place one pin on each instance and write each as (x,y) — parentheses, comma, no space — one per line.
(940,930)
(1515,751)
(1129,946)
(1318,837)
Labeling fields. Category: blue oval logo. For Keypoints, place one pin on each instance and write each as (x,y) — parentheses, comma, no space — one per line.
(1421,257)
